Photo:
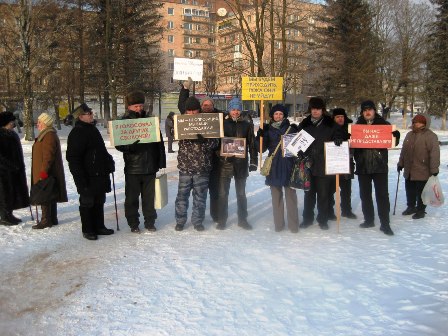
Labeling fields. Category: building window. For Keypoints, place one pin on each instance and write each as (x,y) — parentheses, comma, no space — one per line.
(170,38)
(197,53)
(170,25)
(171,80)
(194,2)
(211,40)
(184,2)
(187,11)
(170,66)
(188,26)
(194,12)
(170,11)
(237,48)
(171,52)
(198,27)
(187,39)
(249,18)
(188,53)
(198,40)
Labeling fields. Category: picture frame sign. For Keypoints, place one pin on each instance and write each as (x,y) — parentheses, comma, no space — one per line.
(188,126)
(233,147)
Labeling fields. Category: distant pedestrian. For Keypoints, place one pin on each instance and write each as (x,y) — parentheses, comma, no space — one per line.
(13,186)
(46,162)
(169,131)
(420,158)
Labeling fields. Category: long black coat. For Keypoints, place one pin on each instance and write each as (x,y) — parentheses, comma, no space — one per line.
(88,159)
(238,167)
(142,158)
(12,171)
(324,131)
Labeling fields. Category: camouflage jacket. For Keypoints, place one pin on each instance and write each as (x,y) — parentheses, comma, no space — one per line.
(195,157)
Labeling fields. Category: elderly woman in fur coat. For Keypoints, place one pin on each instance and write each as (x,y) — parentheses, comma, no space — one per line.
(47,161)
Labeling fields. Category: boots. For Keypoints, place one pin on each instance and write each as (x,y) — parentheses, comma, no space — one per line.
(98,219)
(4,220)
(45,221)
(88,230)
(409,211)
(54,213)
(11,218)
(419,214)
(386,229)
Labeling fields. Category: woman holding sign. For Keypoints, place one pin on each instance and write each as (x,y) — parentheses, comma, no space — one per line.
(280,173)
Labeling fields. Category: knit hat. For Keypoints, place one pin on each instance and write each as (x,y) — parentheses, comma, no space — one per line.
(6,118)
(171,114)
(235,104)
(47,119)
(419,118)
(368,104)
(192,104)
(207,98)
(279,108)
(135,97)
(80,110)
(316,103)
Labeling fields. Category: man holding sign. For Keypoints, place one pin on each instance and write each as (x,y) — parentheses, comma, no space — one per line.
(142,162)
(372,166)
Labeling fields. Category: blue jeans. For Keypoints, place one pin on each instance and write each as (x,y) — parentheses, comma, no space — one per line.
(199,185)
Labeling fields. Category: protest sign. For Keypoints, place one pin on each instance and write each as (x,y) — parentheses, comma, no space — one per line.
(127,131)
(188,67)
(233,147)
(262,88)
(188,126)
(337,158)
(301,141)
(371,136)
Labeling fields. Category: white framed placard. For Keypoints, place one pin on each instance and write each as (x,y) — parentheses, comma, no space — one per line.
(337,158)
(188,67)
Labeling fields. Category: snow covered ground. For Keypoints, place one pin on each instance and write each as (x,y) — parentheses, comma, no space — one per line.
(232,282)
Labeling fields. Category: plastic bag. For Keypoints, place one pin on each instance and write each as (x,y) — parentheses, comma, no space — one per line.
(432,192)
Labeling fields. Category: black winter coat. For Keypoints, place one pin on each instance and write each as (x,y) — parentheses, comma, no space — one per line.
(12,171)
(88,159)
(238,167)
(372,160)
(183,96)
(325,130)
(142,158)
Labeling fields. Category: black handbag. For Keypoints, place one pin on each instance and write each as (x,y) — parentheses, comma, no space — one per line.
(44,191)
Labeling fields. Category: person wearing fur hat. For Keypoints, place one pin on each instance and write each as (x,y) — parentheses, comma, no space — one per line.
(236,127)
(420,158)
(90,164)
(372,167)
(13,185)
(323,129)
(46,161)
(281,169)
(141,163)
(169,131)
(345,180)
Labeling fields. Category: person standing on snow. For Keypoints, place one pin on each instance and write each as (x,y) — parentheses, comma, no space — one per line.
(141,163)
(420,158)
(90,165)
(169,131)
(235,167)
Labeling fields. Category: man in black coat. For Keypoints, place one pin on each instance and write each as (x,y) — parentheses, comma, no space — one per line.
(372,167)
(90,165)
(236,127)
(169,131)
(142,162)
(13,185)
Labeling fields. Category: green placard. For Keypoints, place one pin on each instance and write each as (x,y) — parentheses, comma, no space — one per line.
(127,131)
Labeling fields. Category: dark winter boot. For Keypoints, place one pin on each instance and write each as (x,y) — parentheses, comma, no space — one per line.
(386,229)
(11,218)
(409,211)
(54,213)
(4,220)
(45,221)
(348,214)
(88,229)
(150,226)
(366,225)
(179,227)
(98,220)
(419,214)
(245,225)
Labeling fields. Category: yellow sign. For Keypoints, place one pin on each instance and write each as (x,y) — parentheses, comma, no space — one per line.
(63,109)
(262,88)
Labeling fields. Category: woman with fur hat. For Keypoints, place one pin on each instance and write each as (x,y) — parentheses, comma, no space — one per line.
(280,173)
(420,158)
(13,186)
(46,161)
(323,129)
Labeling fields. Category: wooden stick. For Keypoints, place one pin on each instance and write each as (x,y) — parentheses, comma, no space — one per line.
(338,202)
(261,126)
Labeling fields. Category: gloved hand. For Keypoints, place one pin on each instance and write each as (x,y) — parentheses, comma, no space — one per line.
(111,166)
(253,167)
(435,174)
(300,153)
(337,142)
(43,175)
(396,134)
(260,132)
(133,147)
(399,168)
(201,138)
(187,84)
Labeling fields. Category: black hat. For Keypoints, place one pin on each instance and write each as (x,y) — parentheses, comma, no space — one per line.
(279,108)
(6,118)
(80,110)
(192,104)
(135,97)
(316,103)
(340,111)
(367,104)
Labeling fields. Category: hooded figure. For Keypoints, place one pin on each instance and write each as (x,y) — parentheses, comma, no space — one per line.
(169,131)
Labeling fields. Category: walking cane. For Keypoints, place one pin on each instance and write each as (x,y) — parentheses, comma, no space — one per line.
(31,213)
(115,201)
(396,192)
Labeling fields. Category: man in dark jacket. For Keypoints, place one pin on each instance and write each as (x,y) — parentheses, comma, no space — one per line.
(90,165)
(372,166)
(236,127)
(13,185)
(323,129)
(142,162)
(169,131)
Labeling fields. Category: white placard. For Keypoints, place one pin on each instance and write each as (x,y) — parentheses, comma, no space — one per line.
(337,158)
(300,142)
(188,67)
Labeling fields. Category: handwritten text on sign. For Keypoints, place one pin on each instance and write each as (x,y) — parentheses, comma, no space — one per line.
(187,126)
(127,131)
(262,88)
(186,67)
(371,136)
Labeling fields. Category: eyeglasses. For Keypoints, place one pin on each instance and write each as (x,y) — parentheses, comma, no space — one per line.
(87,113)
